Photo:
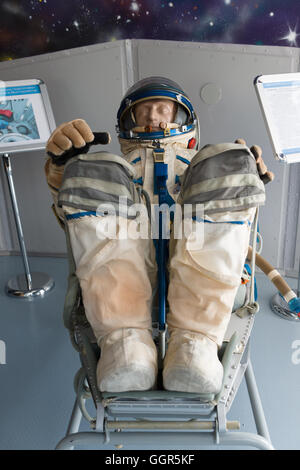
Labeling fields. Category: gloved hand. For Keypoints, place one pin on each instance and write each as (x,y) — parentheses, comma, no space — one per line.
(265,175)
(71,139)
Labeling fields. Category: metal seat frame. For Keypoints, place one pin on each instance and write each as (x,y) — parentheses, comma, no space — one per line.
(169,420)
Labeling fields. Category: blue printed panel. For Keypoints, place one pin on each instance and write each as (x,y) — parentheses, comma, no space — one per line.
(19,90)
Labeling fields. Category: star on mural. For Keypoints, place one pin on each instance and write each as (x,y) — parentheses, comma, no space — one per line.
(291,37)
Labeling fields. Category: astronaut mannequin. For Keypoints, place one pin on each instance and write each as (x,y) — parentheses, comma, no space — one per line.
(117,276)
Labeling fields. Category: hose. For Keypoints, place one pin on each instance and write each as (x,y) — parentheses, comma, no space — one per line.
(281,285)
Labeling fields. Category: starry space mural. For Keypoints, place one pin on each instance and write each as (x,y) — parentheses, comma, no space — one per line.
(32,27)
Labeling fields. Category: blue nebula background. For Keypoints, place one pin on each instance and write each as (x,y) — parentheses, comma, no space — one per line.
(34,27)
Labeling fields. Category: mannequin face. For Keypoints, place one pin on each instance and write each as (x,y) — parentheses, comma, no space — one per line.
(154,113)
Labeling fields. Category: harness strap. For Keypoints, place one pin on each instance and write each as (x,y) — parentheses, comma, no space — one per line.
(160,188)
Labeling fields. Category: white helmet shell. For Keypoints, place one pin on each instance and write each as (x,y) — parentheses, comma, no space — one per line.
(156,88)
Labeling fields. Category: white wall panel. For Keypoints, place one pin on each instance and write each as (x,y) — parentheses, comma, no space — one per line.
(232,68)
(6,231)
(86,82)
(291,252)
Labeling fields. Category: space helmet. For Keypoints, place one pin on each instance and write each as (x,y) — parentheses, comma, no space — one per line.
(150,88)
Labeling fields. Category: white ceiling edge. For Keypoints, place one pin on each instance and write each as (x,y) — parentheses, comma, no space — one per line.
(127,43)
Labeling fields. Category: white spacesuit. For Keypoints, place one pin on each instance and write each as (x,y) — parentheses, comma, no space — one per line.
(117,274)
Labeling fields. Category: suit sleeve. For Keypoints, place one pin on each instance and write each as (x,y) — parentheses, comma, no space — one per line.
(54,175)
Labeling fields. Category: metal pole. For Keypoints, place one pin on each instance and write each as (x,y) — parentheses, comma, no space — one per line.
(73,427)
(258,412)
(75,420)
(298,286)
(8,172)
(29,284)
(245,439)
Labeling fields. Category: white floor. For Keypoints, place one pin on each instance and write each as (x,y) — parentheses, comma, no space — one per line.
(36,391)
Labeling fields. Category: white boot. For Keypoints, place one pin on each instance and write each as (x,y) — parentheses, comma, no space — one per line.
(191,363)
(128,361)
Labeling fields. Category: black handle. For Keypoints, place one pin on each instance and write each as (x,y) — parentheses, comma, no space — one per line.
(101,138)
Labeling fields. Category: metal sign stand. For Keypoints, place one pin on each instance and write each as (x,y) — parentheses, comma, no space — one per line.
(29,284)
(271,90)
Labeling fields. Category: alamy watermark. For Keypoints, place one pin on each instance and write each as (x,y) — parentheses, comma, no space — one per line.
(148,222)
(2,352)
(296,353)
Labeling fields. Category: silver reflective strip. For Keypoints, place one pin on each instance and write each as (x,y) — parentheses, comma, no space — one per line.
(227,163)
(105,157)
(83,201)
(213,150)
(223,182)
(100,185)
(239,203)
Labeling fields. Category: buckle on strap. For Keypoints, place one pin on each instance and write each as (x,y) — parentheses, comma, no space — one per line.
(158,155)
